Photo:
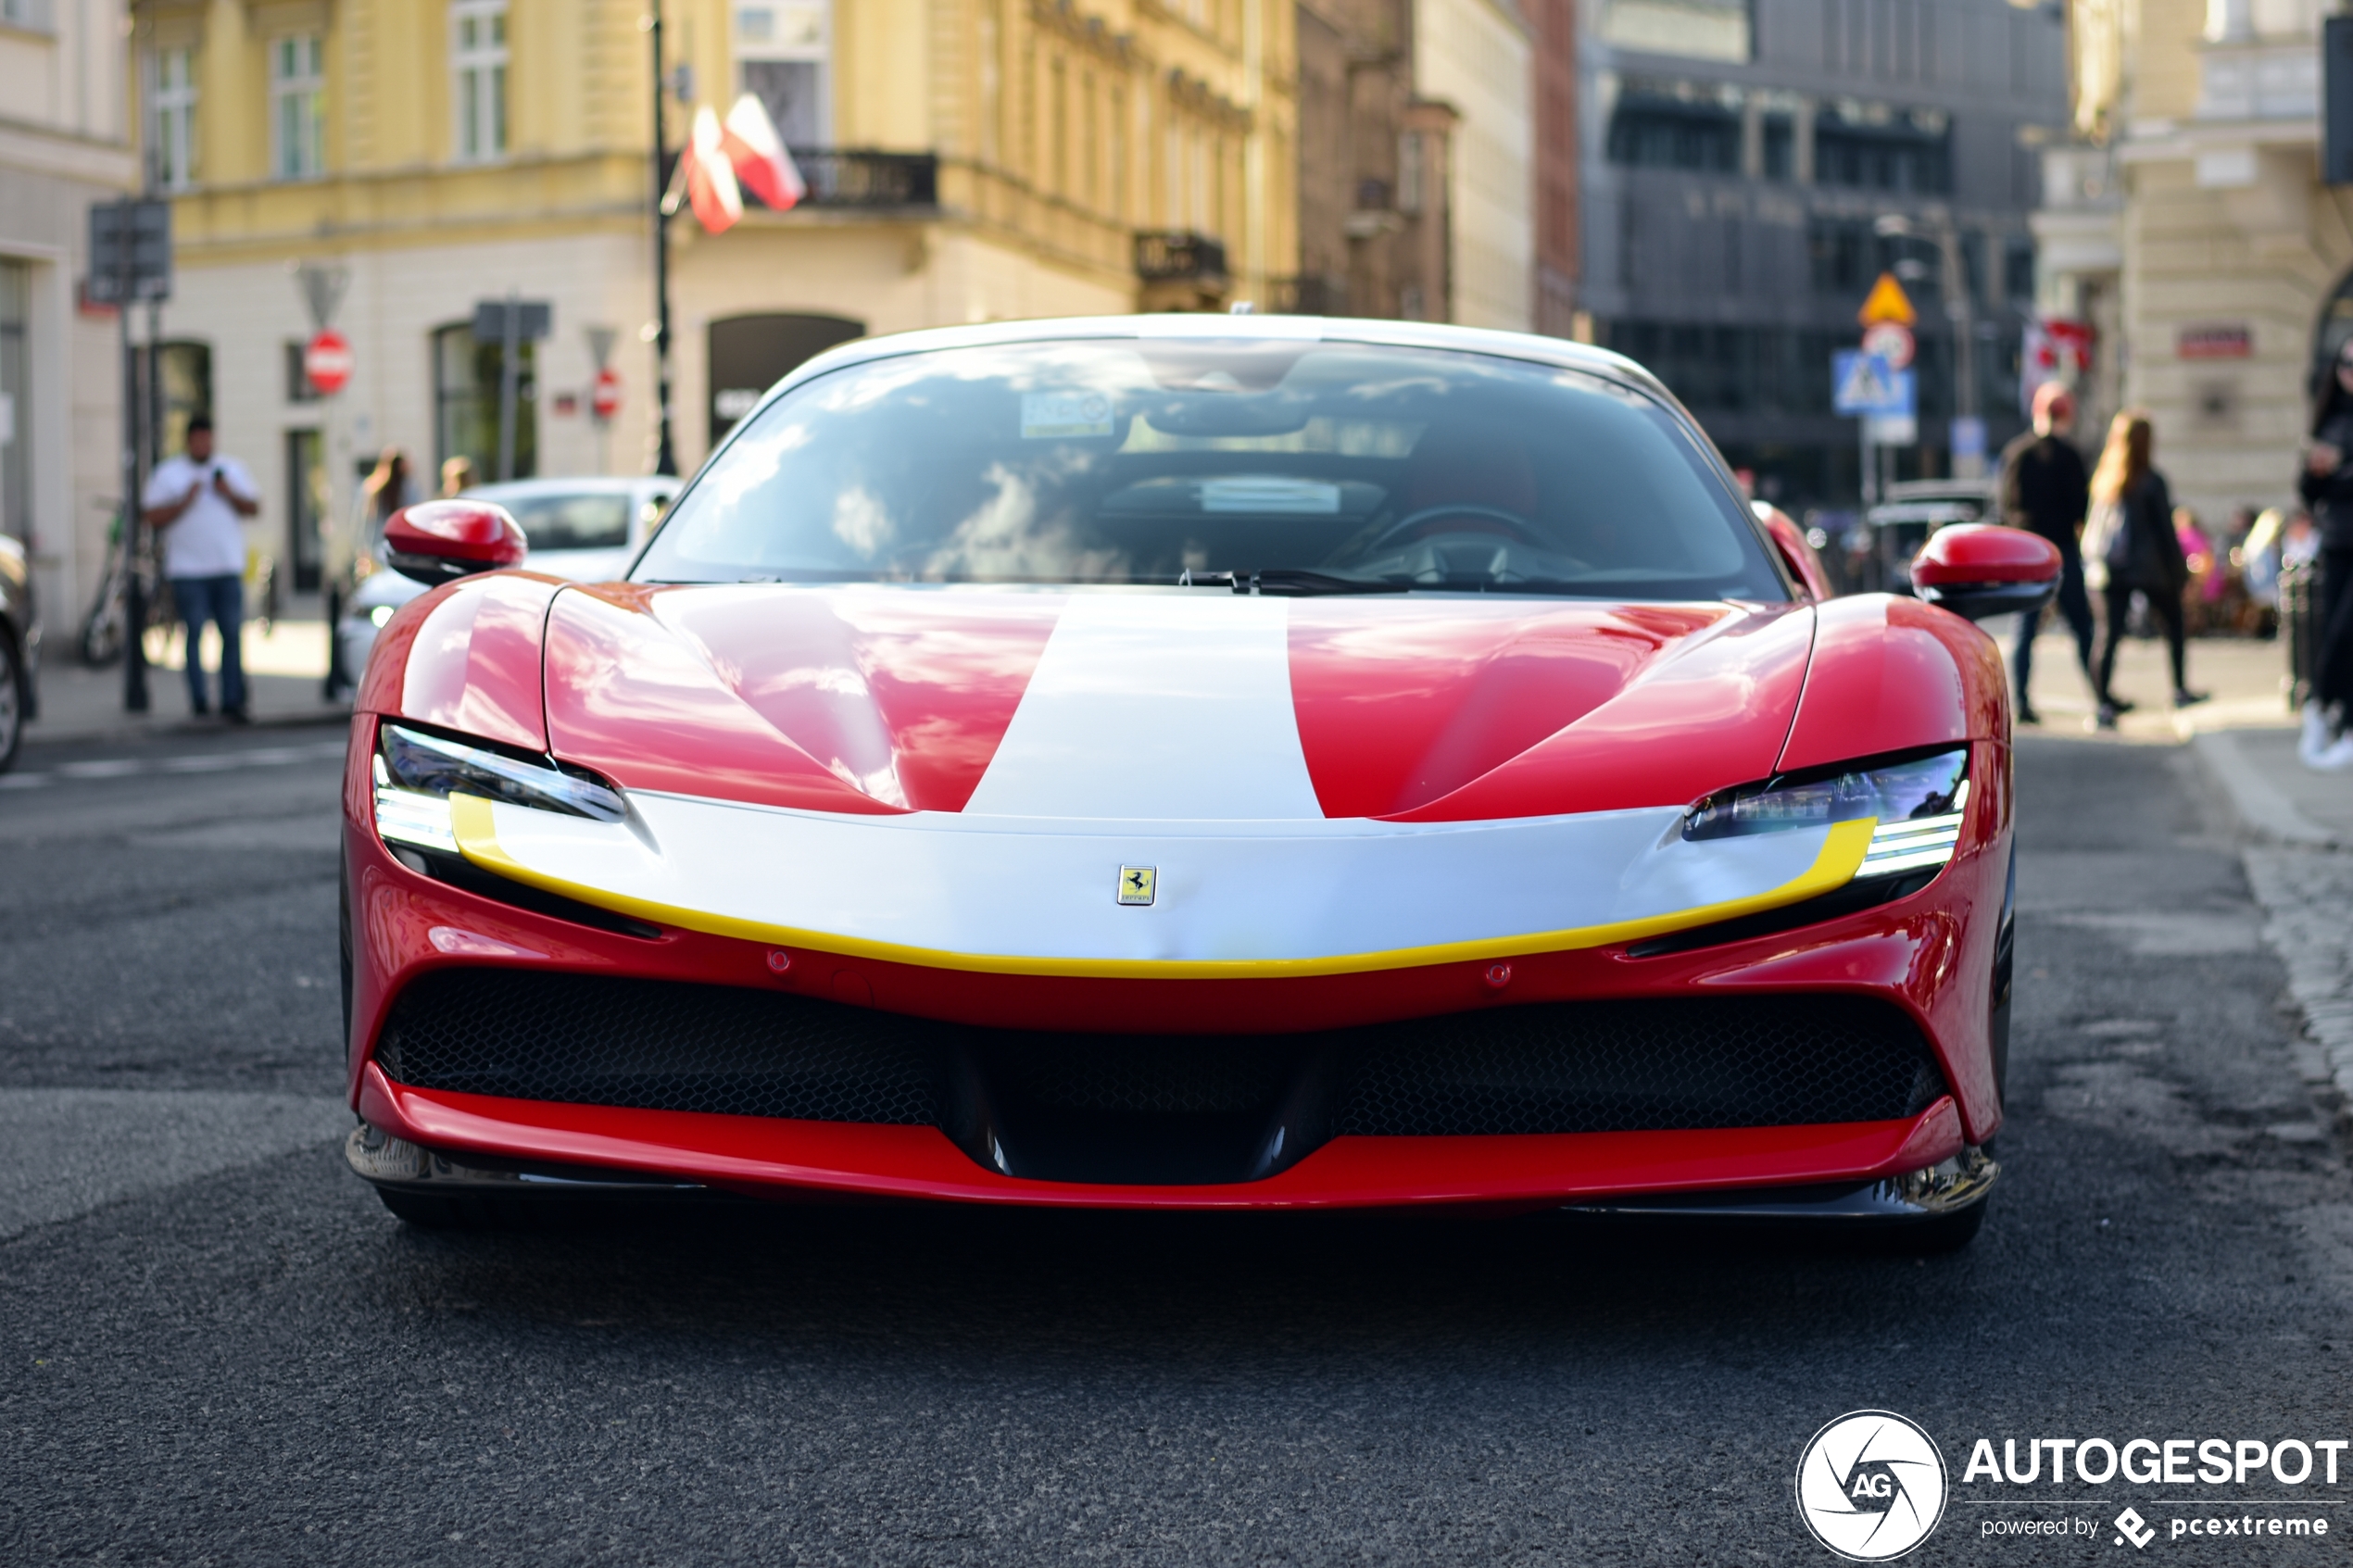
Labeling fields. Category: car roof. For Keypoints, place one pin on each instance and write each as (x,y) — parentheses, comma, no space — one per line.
(1530,346)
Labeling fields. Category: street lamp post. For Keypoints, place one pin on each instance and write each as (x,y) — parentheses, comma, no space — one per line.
(665,454)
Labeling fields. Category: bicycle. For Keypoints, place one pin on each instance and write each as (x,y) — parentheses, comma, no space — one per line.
(100,643)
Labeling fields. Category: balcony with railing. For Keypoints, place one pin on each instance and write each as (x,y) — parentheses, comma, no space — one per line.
(861,179)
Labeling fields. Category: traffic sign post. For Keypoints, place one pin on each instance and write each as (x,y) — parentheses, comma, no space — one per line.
(604,397)
(131,260)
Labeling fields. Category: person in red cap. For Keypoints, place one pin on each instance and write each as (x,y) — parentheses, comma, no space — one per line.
(2045,490)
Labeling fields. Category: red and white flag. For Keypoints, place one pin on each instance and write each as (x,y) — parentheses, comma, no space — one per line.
(711,175)
(759,156)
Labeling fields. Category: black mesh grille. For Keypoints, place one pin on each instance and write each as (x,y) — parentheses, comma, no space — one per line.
(1613,1067)
(1066,1105)
(658,1045)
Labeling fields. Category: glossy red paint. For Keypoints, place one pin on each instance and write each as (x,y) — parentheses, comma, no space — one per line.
(477,534)
(1796,551)
(1714,712)
(467,657)
(903,694)
(1984,552)
(631,697)
(920,1162)
(1400,704)
(1892,674)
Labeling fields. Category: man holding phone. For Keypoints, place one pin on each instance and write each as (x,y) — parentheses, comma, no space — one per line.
(196,502)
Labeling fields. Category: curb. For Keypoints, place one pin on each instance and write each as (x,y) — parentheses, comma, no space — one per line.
(2303,888)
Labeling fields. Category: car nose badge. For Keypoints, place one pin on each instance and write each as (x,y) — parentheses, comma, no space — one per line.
(1137,884)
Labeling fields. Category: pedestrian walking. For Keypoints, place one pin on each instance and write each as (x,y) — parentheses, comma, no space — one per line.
(388,487)
(198,503)
(456,476)
(2327,487)
(2046,491)
(2129,547)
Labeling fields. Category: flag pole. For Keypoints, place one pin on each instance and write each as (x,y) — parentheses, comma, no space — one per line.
(665,453)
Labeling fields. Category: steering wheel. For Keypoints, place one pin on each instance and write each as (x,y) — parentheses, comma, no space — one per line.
(1513,525)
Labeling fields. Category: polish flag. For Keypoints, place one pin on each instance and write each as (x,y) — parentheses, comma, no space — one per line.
(758,154)
(711,177)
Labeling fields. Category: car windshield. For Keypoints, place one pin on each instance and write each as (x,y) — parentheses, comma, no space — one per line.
(1319,466)
(596,519)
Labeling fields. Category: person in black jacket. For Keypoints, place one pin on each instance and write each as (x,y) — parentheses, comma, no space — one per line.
(2140,553)
(2327,487)
(2045,490)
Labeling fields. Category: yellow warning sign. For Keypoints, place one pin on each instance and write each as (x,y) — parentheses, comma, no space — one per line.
(1888,303)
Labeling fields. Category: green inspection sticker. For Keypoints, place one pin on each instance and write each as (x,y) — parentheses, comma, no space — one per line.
(1050,415)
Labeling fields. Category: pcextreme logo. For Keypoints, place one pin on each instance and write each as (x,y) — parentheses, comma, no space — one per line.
(1870,1486)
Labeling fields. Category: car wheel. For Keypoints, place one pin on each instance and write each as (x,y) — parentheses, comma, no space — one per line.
(12,703)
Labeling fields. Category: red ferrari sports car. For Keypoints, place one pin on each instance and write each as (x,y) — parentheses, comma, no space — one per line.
(1190,762)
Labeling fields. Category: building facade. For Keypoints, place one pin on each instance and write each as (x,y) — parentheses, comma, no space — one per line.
(2185,222)
(65,145)
(967,160)
(1749,167)
(1478,58)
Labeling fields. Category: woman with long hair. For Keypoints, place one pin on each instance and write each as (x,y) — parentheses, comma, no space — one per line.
(2139,552)
(387,488)
(2326,484)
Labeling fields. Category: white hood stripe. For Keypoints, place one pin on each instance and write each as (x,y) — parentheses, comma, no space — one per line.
(1156,708)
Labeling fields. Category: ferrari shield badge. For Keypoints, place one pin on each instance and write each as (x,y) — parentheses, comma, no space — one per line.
(1137,884)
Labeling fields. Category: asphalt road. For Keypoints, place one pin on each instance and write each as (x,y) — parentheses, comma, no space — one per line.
(220,1348)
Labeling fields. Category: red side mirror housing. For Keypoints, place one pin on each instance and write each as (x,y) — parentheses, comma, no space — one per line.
(1790,540)
(437,541)
(1979,568)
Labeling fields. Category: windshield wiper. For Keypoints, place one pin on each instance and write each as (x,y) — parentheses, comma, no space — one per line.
(1291,583)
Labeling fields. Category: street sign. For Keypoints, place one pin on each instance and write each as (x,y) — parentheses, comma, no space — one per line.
(130,252)
(532,318)
(1892,430)
(1888,302)
(1865,383)
(1891,341)
(327,361)
(604,398)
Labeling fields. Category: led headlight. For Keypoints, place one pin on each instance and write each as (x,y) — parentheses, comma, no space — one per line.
(416,774)
(1917,803)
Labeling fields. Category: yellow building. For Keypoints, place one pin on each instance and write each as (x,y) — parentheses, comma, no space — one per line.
(2184,219)
(967,160)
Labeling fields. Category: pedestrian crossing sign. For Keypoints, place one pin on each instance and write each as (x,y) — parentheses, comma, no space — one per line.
(1865,383)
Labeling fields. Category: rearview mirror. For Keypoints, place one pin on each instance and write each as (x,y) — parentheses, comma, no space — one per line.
(1979,568)
(440,541)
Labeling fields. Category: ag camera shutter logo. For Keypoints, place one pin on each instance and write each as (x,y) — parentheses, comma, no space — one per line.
(1870,1486)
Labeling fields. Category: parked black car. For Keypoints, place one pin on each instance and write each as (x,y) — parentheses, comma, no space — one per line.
(20,650)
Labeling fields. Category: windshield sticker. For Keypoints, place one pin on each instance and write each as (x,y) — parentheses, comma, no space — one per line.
(1262,493)
(1046,416)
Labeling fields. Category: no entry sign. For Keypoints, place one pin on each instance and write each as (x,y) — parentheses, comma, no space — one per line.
(604,398)
(326,359)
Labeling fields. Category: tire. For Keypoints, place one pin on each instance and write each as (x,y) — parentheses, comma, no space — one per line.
(101,640)
(15,699)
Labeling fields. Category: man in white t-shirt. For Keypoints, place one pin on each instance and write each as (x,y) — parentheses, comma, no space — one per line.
(196,504)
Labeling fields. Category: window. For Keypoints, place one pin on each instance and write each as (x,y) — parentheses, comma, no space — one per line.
(478,70)
(784,49)
(1779,150)
(1410,172)
(306,505)
(465,400)
(35,16)
(175,124)
(1662,133)
(299,387)
(297,106)
(1878,150)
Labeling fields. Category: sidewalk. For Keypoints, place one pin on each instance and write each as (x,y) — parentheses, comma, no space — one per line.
(2243,676)
(284,671)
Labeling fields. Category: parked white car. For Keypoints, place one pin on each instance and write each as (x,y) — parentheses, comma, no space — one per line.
(589,530)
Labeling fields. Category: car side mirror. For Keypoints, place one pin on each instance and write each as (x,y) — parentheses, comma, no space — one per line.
(1981,569)
(441,541)
(1805,563)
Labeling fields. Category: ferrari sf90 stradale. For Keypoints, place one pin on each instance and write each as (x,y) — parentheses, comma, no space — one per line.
(1190,762)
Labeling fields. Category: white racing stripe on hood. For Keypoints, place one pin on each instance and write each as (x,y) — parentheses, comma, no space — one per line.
(1156,708)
